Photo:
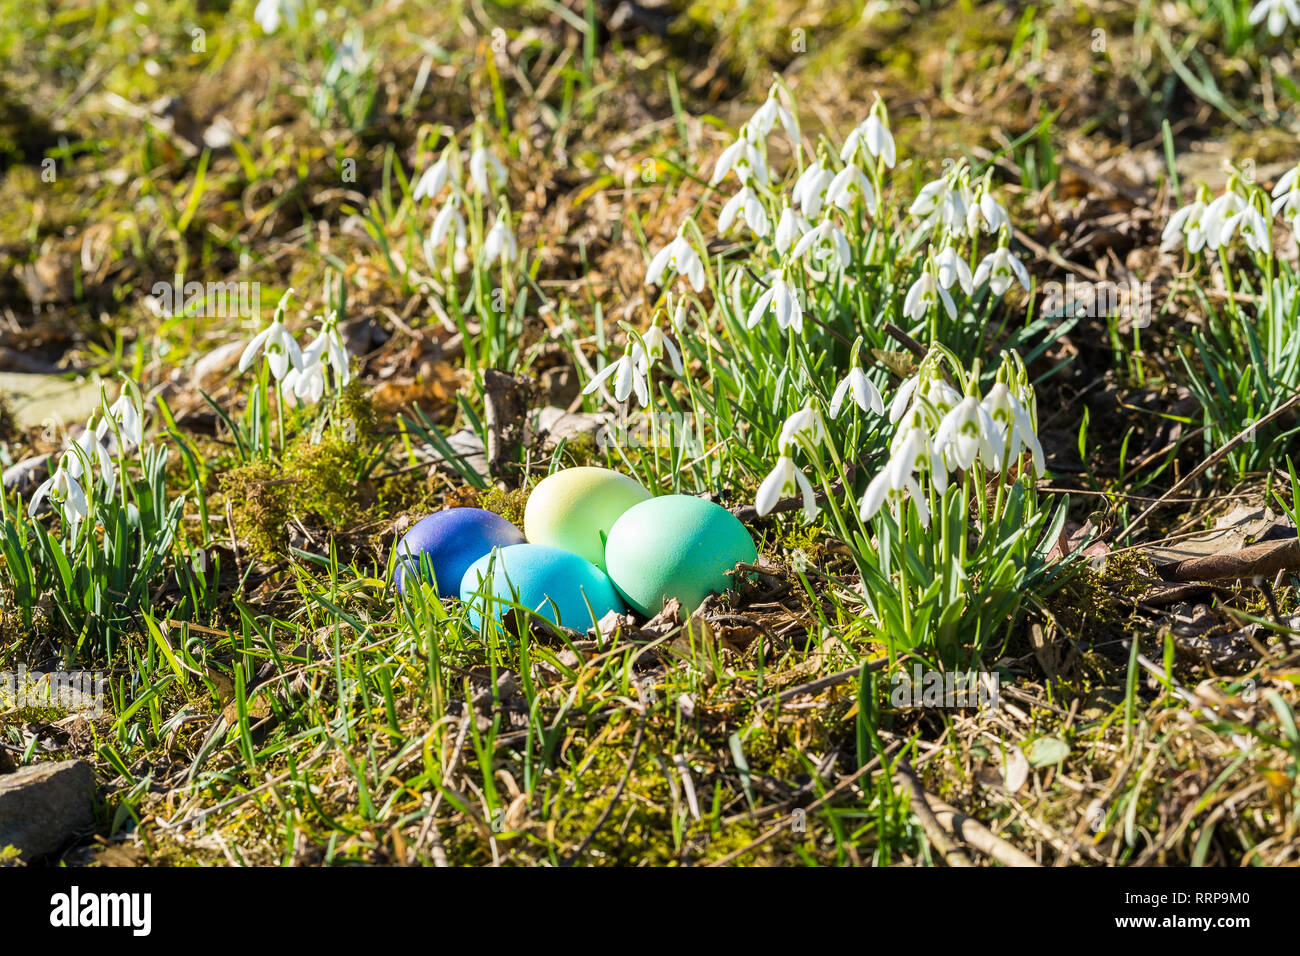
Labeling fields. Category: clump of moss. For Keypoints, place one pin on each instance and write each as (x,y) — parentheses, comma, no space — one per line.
(355,414)
(324,483)
(509,504)
(259,505)
(315,482)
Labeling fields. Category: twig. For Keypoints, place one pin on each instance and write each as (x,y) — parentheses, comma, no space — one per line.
(905,340)
(975,834)
(918,800)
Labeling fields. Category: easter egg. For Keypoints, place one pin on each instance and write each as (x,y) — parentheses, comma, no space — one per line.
(675,546)
(451,541)
(575,508)
(558,584)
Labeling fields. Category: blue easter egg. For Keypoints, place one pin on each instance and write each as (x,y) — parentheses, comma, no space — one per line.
(556,583)
(451,541)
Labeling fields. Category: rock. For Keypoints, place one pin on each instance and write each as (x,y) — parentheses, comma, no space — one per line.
(468,450)
(45,805)
(22,478)
(51,402)
(555,424)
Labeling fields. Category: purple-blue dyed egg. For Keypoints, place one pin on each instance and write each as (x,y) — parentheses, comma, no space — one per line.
(450,541)
(559,585)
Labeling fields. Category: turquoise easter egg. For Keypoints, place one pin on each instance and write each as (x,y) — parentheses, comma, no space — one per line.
(575,508)
(675,546)
(448,542)
(555,583)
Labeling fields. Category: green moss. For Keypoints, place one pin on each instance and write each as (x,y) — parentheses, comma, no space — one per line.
(509,504)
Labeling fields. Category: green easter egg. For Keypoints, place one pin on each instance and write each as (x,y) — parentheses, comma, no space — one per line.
(675,546)
(575,508)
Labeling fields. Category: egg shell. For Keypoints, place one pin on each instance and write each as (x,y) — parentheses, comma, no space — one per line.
(540,575)
(675,546)
(574,509)
(452,539)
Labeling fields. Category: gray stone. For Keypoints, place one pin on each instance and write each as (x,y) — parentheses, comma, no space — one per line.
(556,424)
(45,805)
(26,475)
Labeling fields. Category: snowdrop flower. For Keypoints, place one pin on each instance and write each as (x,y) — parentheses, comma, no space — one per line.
(864,392)
(306,380)
(748,206)
(678,317)
(897,482)
(967,431)
(127,417)
(805,427)
(499,243)
(88,450)
(826,241)
(269,13)
(924,293)
(744,159)
(810,188)
(782,298)
(449,217)
(657,345)
(1187,226)
(942,201)
(279,347)
(951,268)
(486,170)
(999,268)
(913,446)
(769,114)
(882,489)
(850,183)
(874,136)
(336,350)
(627,379)
(1015,428)
(1253,226)
(902,398)
(1219,212)
(1287,191)
(941,396)
(785,479)
(65,491)
(349,58)
(985,212)
(432,181)
(1279,12)
(679,256)
(789,229)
